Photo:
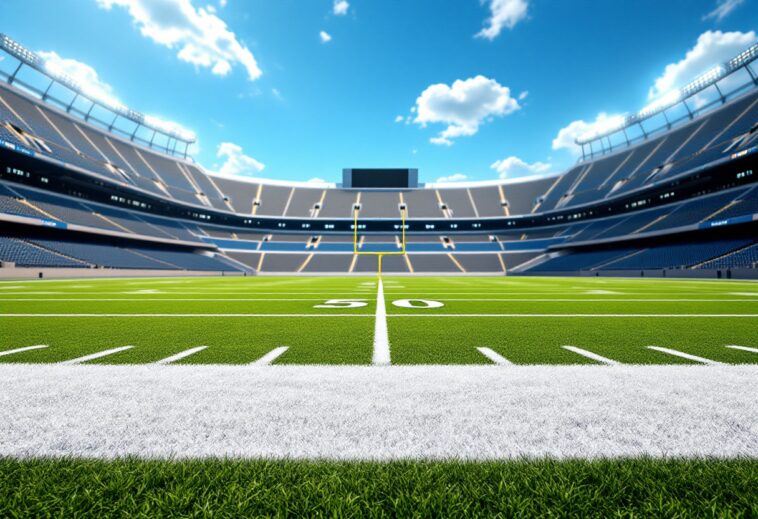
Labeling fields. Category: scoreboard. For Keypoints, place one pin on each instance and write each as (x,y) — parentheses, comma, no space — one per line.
(378,178)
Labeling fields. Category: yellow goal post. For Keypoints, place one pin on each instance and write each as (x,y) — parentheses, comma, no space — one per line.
(379,254)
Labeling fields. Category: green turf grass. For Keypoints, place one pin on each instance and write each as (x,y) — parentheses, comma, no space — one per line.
(523,339)
(132,488)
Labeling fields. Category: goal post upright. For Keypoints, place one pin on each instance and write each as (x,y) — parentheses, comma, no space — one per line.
(379,255)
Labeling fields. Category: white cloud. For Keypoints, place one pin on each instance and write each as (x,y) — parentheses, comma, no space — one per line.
(201,37)
(222,3)
(523,95)
(504,14)
(723,9)
(711,49)
(512,167)
(325,37)
(83,75)
(399,119)
(580,128)
(237,163)
(89,82)
(463,106)
(455,177)
(341,7)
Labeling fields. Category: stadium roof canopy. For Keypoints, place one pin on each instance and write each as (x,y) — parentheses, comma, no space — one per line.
(175,141)
(674,98)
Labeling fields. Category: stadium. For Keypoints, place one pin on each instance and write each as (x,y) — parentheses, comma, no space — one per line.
(174,341)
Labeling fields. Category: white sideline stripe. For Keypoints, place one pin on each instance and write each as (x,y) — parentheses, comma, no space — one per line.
(381,354)
(19,350)
(97,355)
(366,413)
(590,355)
(683,355)
(495,357)
(743,348)
(270,357)
(181,355)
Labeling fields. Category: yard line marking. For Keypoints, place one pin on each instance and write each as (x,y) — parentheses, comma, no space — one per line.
(743,348)
(381,354)
(181,355)
(590,355)
(683,355)
(495,357)
(186,315)
(97,355)
(19,350)
(270,357)
(156,300)
(568,315)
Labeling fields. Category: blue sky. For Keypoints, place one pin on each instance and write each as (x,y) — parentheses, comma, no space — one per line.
(453,87)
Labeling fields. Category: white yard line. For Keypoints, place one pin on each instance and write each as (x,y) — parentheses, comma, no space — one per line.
(359,413)
(381,353)
(159,299)
(569,315)
(181,355)
(20,350)
(590,355)
(186,315)
(540,300)
(494,356)
(743,348)
(683,355)
(97,355)
(270,357)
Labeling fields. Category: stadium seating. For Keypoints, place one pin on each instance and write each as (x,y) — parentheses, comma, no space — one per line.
(51,133)
(26,254)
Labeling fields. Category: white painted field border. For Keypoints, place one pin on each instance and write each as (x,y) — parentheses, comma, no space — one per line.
(97,355)
(381,353)
(494,356)
(519,412)
(590,355)
(677,353)
(181,355)
(270,357)
(743,348)
(20,350)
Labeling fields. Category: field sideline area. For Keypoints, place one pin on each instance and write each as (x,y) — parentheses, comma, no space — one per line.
(323,320)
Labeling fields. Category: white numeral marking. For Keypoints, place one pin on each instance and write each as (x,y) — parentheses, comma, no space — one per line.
(342,303)
(417,303)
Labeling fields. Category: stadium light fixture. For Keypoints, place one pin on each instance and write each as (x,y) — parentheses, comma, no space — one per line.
(97,97)
(673,98)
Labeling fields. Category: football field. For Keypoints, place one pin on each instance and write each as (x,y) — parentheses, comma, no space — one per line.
(433,320)
(445,396)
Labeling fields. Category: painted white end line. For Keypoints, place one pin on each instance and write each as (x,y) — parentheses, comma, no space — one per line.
(683,355)
(381,355)
(732,346)
(181,355)
(97,355)
(590,355)
(495,357)
(270,357)
(19,350)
